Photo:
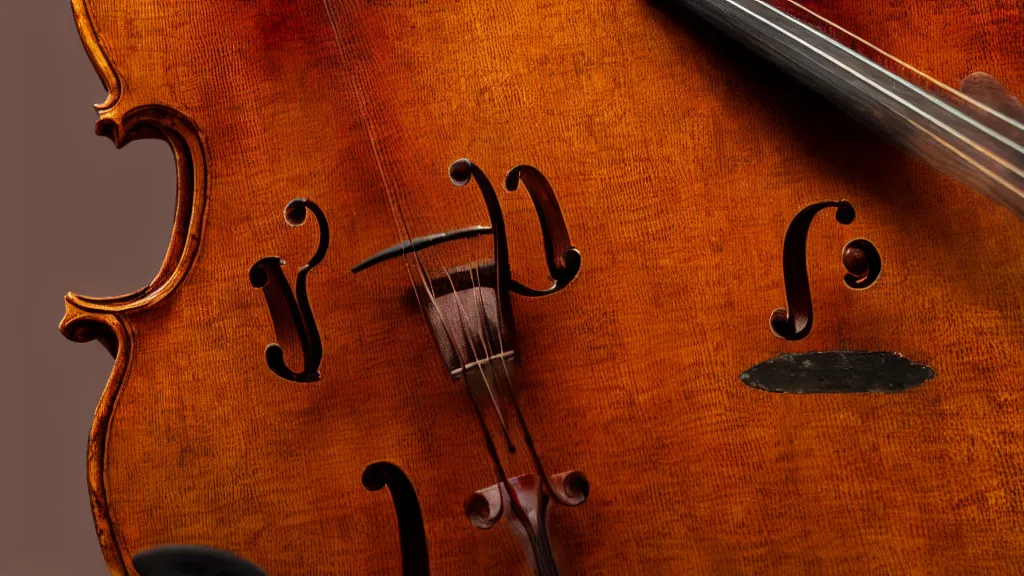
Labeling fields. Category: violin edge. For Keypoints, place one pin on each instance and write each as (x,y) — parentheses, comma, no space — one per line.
(148,121)
(180,133)
(105,319)
(113,332)
(99,58)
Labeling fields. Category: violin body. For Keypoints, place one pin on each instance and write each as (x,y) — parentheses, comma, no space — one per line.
(679,163)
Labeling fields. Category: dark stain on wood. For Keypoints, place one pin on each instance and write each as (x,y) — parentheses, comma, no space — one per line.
(837,372)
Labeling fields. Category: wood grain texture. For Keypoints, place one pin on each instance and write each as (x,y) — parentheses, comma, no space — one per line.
(678,161)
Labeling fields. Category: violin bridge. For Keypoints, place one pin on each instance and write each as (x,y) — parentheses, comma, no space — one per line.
(485,363)
(464,313)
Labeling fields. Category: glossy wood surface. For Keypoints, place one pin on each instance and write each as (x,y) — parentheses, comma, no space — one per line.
(678,160)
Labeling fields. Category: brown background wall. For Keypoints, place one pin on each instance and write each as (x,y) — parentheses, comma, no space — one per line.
(78,215)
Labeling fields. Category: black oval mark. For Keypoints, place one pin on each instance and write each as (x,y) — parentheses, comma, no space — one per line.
(412,537)
(861,259)
(192,561)
(837,372)
(290,312)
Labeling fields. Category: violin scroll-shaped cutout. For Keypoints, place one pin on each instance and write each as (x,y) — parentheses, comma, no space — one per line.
(290,312)
(860,257)
(412,536)
(563,259)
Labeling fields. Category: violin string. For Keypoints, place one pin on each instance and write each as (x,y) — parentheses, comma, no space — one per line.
(537,541)
(476,282)
(902,65)
(511,394)
(545,562)
(953,132)
(516,409)
(405,235)
(401,224)
(466,321)
(367,124)
(463,361)
(518,510)
(477,285)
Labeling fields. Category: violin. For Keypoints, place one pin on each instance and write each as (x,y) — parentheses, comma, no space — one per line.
(566,288)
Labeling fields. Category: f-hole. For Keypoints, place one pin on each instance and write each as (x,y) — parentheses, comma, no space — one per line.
(412,536)
(860,258)
(294,324)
